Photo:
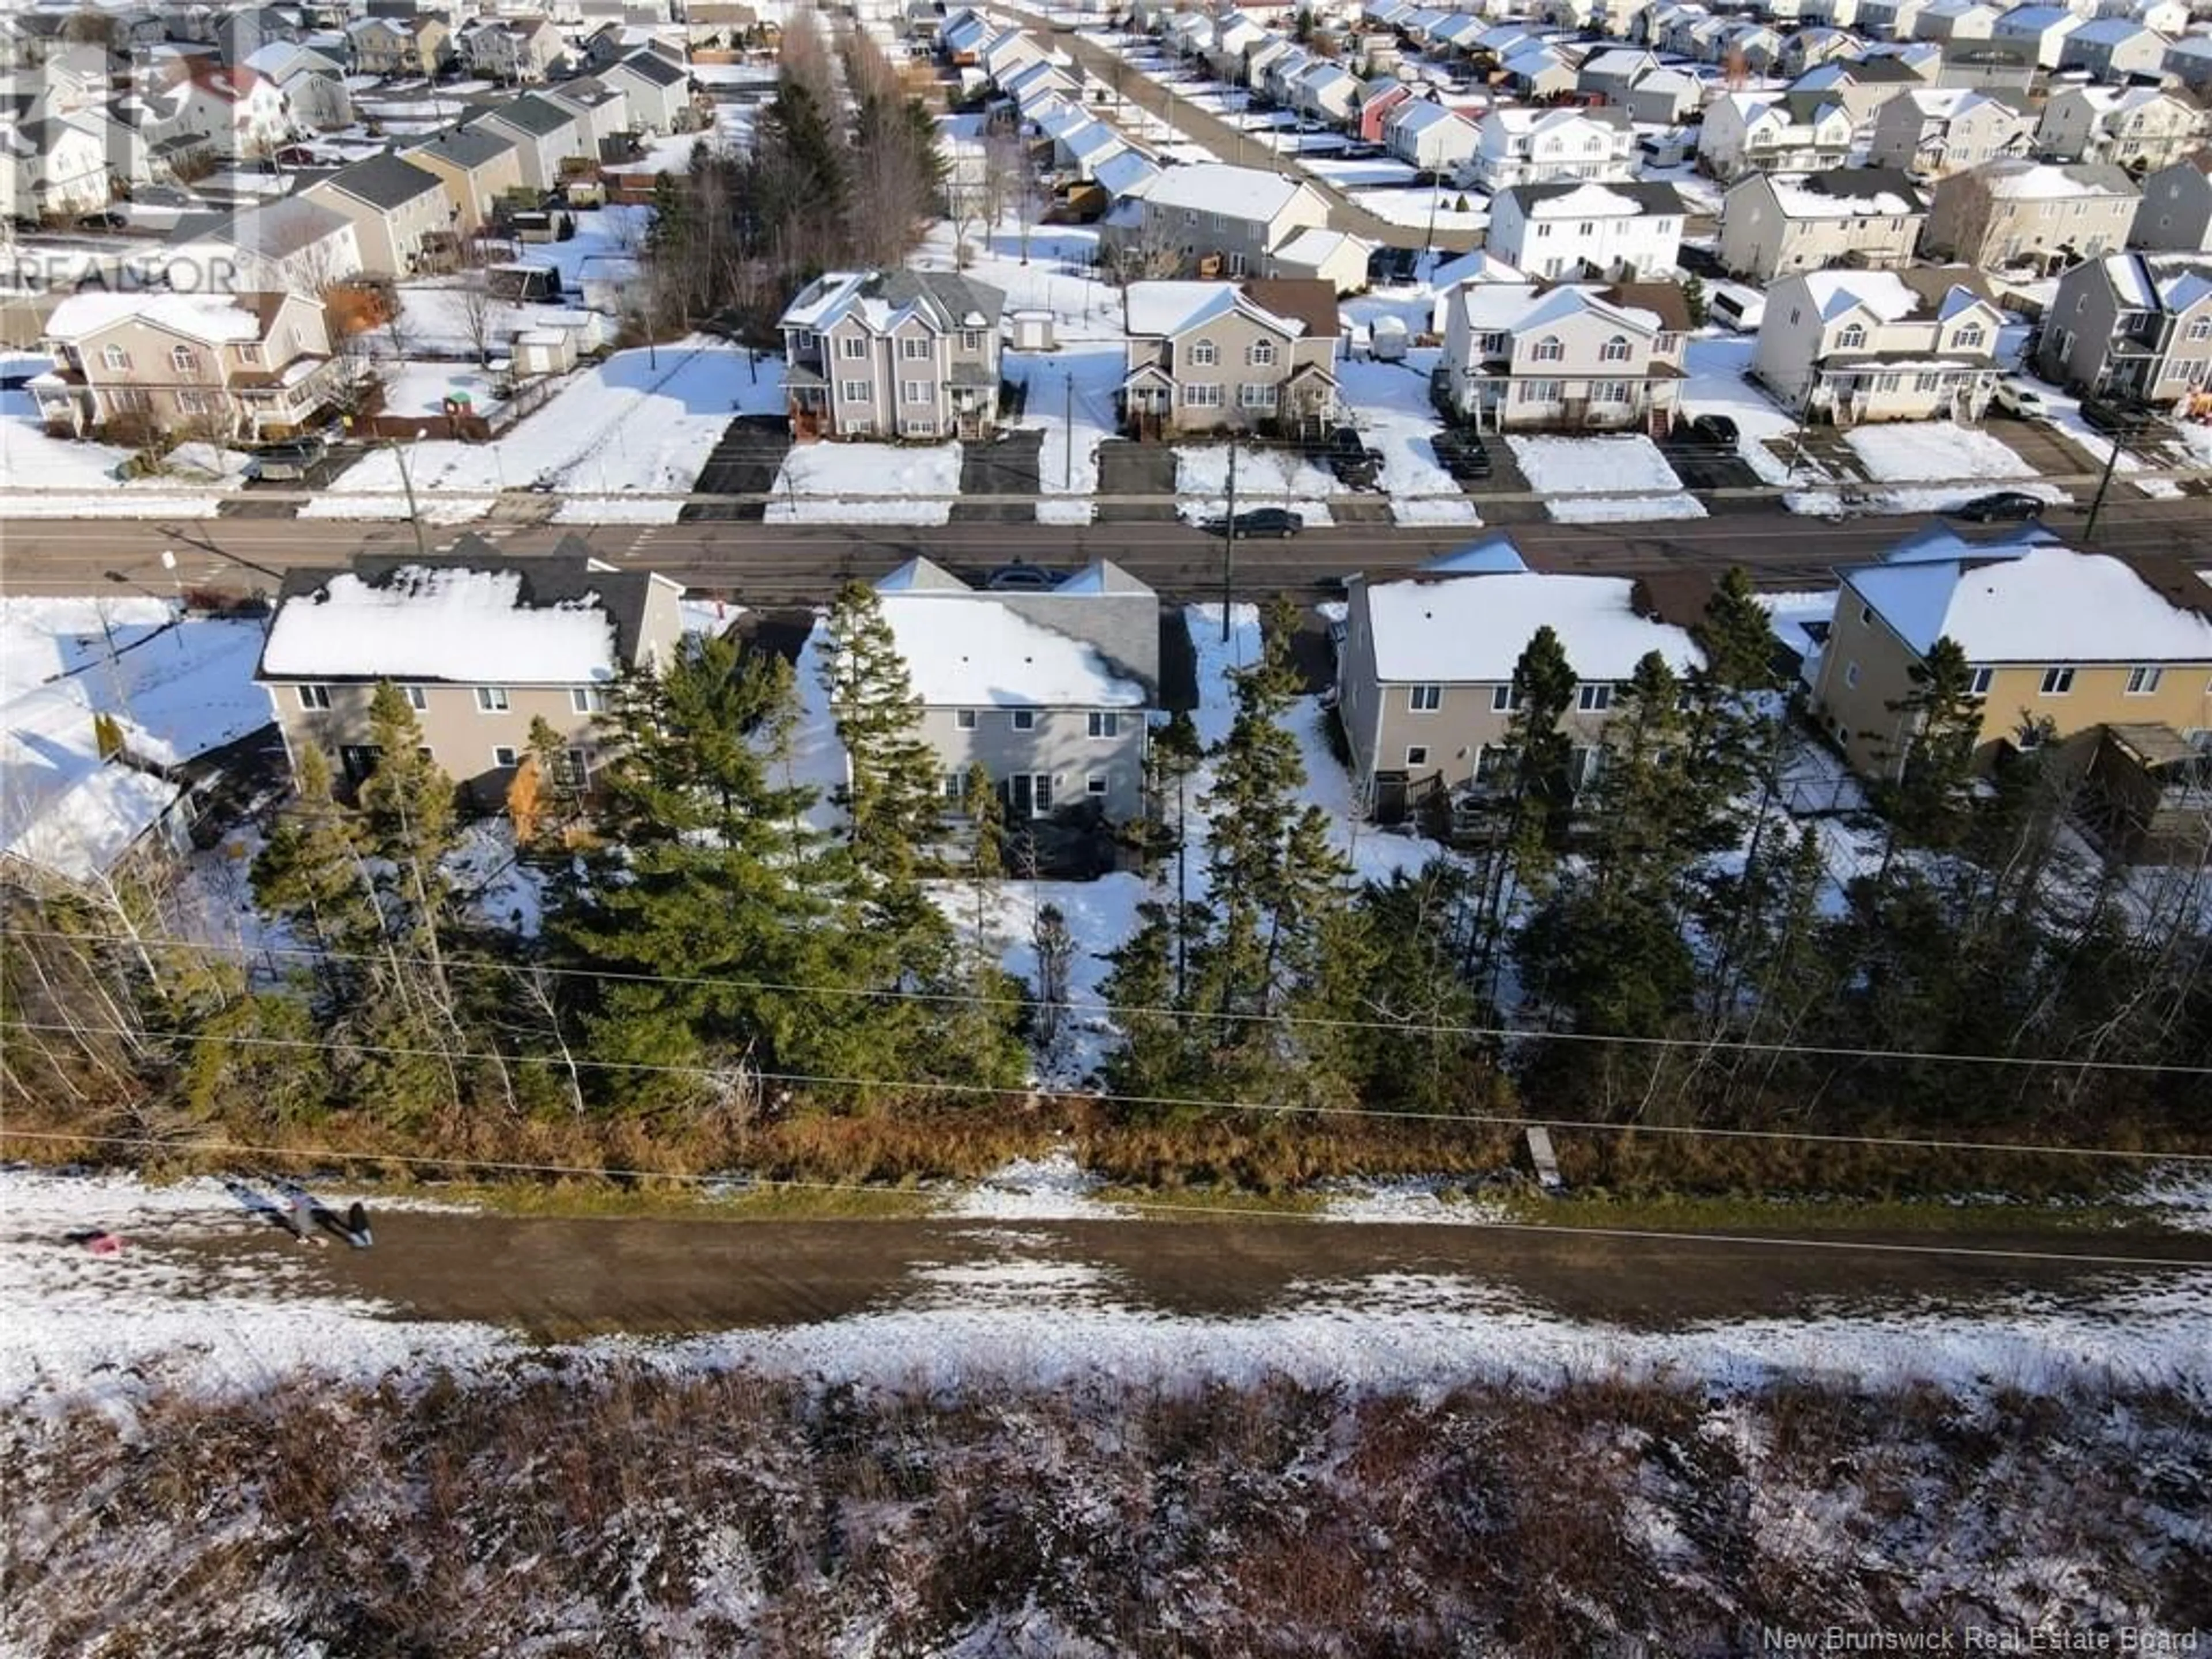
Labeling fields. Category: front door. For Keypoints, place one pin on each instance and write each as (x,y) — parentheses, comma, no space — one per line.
(1019,796)
(357,760)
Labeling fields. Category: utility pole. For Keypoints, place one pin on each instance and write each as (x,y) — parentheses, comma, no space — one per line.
(2104,483)
(1068,461)
(1229,546)
(407,482)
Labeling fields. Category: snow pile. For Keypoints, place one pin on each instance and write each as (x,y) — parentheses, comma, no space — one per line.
(48,477)
(1265,477)
(1717,386)
(1049,1189)
(1390,404)
(1416,1202)
(867,483)
(1599,480)
(1935,450)
(2182,1195)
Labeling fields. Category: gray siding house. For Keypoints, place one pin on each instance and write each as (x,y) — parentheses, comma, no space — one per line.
(1774,223)
(903,354)
(1048,692)
(2136,326)
(2175,214)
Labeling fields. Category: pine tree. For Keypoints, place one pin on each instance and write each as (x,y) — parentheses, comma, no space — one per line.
(891,796)
(1527,833)
(1927,795)
(1157,1057)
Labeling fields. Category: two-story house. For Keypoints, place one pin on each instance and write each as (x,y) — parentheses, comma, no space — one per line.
(2061,643)
(1212,220)
(1956,20)
(2042,29)
(235,110)
(904,354)
(2133,327)
(1565,229)
(2175,214)
(1210,356)
(1522,355)
(1773,132)
(1429,137)
(394,206)
(477,165)
(543,133)
(2138,128)
(387,46)
(225,367)
(53,169)
(313,85)
(1853,346)
(2114,49)
(481,644)
(1939,129)
(2005,214)
(1537,147)
(659,91)
(1425,671)
(1048,692)
(516,52)
(1772,223)
(291,245)
(599,110)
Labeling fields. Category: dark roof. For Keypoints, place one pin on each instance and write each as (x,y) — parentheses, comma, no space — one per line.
(465,147)
(1651,198)
(1852,183)
(567,575)
(957,296)
(532,114)
(1884,68)
(1933,284)
(384,181)
(1308,300)
(651,66)
(2175,580)
(1664,300)
(1677,597)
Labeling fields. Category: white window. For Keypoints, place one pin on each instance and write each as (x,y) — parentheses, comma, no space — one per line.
(1887,382)
(1253,395)
(2199,329)
(854,391)
(491,699)
(1202,394)
(184,359)
(954,787)
(2057,682)
(1977,684)
(1927,380)
(1608,391)
(915,347)
(1548,349)
(1416,753)
(573,769)
(971,340)
(502,755)
(587,699)
(1501,699)
(1583,766)
(1850,337)
(1540,392)
(804,341)
(1259,353)
(1425,699)
(1094,784)
(1490,345)
(2141,682)
(963,719)
(1851,675)
(1967,338)
(1594,697)
(1026,720)
(914,391)
(116,357)
(312,696)
(852,347)
(249,354)
(417,698)
(1614,350)
(199,403)
(1105,723)
(1204,354)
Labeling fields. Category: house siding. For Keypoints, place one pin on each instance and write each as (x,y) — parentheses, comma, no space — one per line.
(1059,745)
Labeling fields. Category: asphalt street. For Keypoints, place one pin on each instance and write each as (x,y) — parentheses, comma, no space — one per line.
(784,564)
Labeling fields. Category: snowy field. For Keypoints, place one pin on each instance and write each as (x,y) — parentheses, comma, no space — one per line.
(1265,477)
(830,483)
(1421,207)
(42,476)
(421,388)
(1600,480)
(1930,451)
(1390,404)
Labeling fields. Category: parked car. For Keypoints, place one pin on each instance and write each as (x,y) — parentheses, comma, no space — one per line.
(1738,308)
(1021,577)
(1352,461)
(1278,522)
(2017,397)
(285,462)
(2120,419)
(1462,454)
(1718,430)
(2000,506)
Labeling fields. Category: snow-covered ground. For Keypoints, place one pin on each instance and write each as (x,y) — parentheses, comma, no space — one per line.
(1265,477)
(2066,416)
(1421,207)
(1050,1188)
(867,483)
(1931,450)
(1071,401)
(1600,480)
(421,388)
(1717,386)
(48,477)
(1390,404)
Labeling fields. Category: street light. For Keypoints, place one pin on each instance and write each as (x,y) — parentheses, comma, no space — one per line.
(407,484)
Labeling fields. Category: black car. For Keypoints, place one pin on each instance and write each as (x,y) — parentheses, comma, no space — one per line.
(1715,429)
(1021,577)
(1278,522)
(282,462)
(2003,507)
(2113,417)
(1352,461)
(1462,454)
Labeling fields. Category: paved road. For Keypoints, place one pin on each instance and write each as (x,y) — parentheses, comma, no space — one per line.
(782,564)
(560,1279)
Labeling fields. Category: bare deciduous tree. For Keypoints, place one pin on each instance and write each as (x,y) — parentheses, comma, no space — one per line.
(479,314)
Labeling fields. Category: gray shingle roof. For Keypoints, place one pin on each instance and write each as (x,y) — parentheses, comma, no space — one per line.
(532,114)
(467,147)
(384,181)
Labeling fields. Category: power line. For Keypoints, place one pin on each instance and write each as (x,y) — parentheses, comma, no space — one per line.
(1278,1110)
(1641,1234)
(1408,1028)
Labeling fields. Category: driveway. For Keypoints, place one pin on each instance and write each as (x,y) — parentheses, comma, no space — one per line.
(1129,468)
(745,462)
(1006,466)
(1506,479)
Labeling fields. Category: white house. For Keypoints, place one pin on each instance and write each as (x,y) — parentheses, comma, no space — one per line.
(1535,147)
(1430,137)
(2042,29)
(1562,229)
(1880,345)
(1773,132)
(658,92)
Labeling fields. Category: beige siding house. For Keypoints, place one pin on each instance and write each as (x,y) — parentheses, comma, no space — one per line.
(1772,224)
(248,366)
(2134,127)
(1939,129)
(1048,691)
(476,165)
(395,209)
(900,354)
(2061,642)
(1570,357)
(1211,356)
(1850,346)
(2029,212)
(481,644)
(1424,668)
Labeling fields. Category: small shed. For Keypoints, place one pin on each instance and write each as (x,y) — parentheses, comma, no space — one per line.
(545,351)
(1032,331)
(1387,340)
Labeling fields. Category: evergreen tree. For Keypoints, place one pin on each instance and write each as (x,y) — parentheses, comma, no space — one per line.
(1929,767)
(891,794)
(1528,832)
(1157,1057)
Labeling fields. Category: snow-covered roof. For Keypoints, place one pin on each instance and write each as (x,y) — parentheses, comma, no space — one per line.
(1160,309)
(1510,308)
(1882,292)
(1214,187)
(1314,245)
(984,654)
(2049,604)
(1473,627)
(440,623)
(1845,193)
(212,319)
(881,301)
(2041,181)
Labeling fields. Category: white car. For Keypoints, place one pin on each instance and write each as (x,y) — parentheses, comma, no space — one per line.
(2017,397)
